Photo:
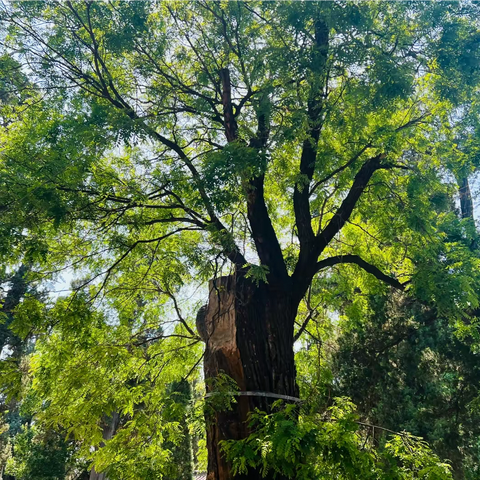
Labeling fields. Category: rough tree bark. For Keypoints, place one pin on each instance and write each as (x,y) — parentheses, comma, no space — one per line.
(249,337)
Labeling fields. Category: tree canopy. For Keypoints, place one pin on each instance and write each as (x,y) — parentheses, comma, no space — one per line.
(311,160)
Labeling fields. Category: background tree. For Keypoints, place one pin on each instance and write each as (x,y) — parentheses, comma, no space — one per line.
(409,371)
(28,450)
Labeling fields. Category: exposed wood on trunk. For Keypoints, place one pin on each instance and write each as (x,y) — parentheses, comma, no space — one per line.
(250,339)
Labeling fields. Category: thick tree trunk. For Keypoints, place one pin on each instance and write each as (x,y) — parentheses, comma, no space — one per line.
(249,337)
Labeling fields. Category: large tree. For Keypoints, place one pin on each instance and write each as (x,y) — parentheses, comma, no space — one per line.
(257,145)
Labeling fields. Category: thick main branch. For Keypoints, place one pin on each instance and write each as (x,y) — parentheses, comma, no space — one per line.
(266,241)
(301,195)
(306,265)
(368,267)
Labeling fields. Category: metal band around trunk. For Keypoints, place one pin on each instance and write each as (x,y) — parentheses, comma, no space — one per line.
(258,394)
